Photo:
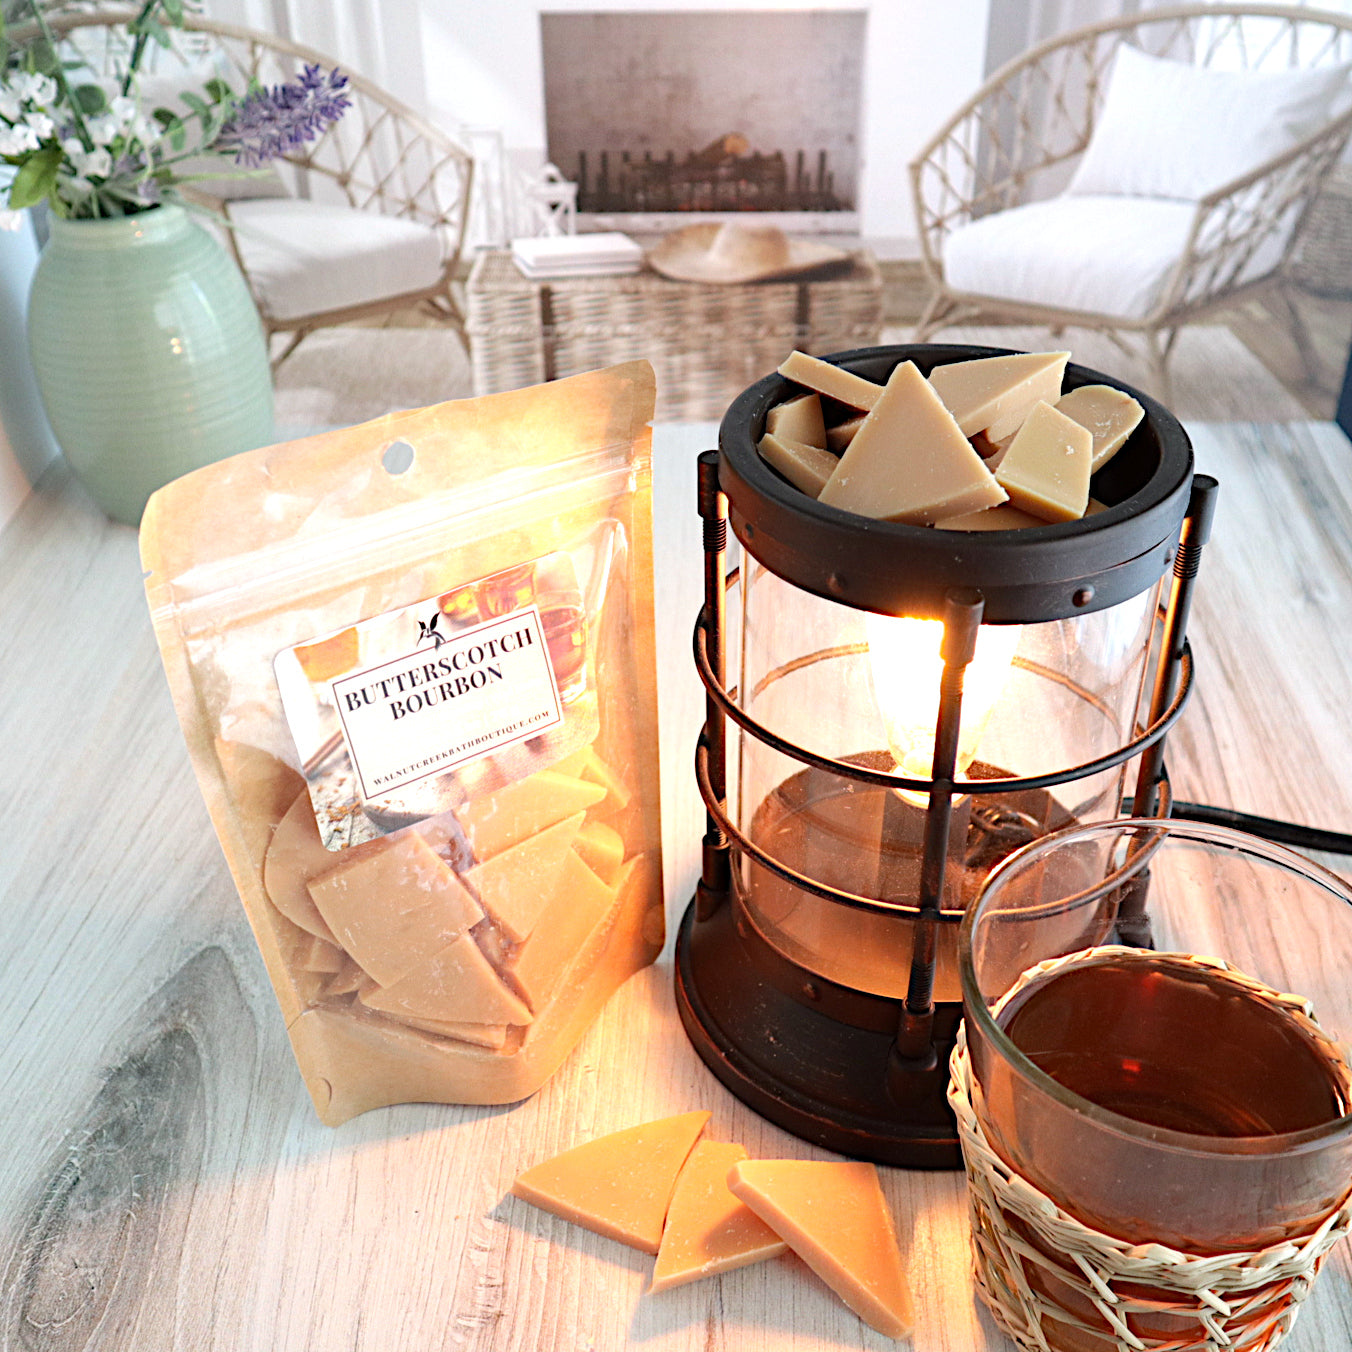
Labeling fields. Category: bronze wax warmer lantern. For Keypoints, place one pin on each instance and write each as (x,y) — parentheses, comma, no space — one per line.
(910,706)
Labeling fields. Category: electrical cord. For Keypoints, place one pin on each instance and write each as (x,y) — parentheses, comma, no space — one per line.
(1284,833)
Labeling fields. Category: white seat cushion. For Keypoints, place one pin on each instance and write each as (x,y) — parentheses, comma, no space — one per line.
(306,258)
(1104,255)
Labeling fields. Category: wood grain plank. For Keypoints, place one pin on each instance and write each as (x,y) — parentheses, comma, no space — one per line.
(167,1185)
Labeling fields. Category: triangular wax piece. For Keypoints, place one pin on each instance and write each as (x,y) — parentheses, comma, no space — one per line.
(515,886)
(458,984)
(581,901)
(492,1035)
(618,1185)
(295,854)
(394,905)
(807,468)
(994,394)
(262,788)
(500,820)
(602,849)
(708,1230)
(909,462)
(834,1217)
(799,419)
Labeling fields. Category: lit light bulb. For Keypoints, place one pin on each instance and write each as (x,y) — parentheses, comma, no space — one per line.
(906,669)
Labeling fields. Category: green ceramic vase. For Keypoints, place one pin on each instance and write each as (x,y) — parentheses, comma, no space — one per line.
(148,351)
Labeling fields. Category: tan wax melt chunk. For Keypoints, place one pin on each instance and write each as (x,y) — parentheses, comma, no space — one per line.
(833,381)
(262,788)
(349,979)
(491,1035)
(1003,517)
(1045,471)
(708,1230)
(798,420)
(994,394)
(595,771)
(392,906)
(314,954)
(835,1218)
(1111,415)
(295,855)
(354,1060)
(909,461)
(458,984)
(618,1185)
(500,820)
(581,901)
(515,886)
(840,436)
(601,848)
(805,467)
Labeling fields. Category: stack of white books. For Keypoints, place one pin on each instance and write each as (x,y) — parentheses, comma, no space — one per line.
(605,254)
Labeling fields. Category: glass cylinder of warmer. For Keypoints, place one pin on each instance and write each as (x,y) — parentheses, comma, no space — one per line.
(851,685)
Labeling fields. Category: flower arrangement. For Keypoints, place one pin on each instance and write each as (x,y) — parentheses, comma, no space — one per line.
(92,149)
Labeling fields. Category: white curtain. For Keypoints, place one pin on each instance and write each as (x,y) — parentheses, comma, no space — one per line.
(378,40)
(1016,25)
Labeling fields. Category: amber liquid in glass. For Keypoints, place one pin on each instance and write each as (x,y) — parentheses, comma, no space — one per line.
(1177,1046)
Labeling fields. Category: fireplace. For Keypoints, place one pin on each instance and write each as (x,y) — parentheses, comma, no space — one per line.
(660,117)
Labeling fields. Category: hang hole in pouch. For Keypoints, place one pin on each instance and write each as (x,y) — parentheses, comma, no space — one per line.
(397,457)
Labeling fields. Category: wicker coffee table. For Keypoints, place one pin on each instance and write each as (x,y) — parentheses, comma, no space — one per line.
(706,343)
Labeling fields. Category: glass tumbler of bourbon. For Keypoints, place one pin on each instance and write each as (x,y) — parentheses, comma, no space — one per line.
(1157,1016)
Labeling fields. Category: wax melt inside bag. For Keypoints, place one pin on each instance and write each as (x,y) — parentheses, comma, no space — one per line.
(413,661)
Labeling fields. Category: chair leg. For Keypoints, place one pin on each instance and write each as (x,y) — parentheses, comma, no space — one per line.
(298,336)
(1300,333)
(1157,355)
(932,318)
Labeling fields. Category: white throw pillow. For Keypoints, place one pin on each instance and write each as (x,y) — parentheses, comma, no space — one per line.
(1171,129)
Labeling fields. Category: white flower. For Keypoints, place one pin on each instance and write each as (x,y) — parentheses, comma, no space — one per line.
(124,109)
(11,105)
(31,88)
(17,140)
(10,220)
(91,163)
(40,124)
(104,129)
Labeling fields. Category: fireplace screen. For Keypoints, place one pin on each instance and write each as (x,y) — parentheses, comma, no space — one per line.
(705,111)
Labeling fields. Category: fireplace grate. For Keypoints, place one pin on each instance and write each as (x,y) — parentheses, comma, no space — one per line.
(724,176)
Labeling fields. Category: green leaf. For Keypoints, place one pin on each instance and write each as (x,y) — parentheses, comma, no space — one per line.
(90,99)
(193,102)
(173,11)
(42,57)
(36,177)
(219,90)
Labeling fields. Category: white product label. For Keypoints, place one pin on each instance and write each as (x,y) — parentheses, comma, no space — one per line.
(409,713)
(446,702)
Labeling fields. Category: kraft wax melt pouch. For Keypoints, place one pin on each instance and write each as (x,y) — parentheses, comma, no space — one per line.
(413,662)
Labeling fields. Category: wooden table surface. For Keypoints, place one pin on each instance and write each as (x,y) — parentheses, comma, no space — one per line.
(163,1180)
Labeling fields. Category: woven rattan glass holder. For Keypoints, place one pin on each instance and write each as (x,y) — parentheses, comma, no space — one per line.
(1126,1297)
(1157,1135)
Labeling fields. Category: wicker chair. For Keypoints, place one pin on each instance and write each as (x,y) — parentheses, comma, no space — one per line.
(1016,144)
(367,220)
